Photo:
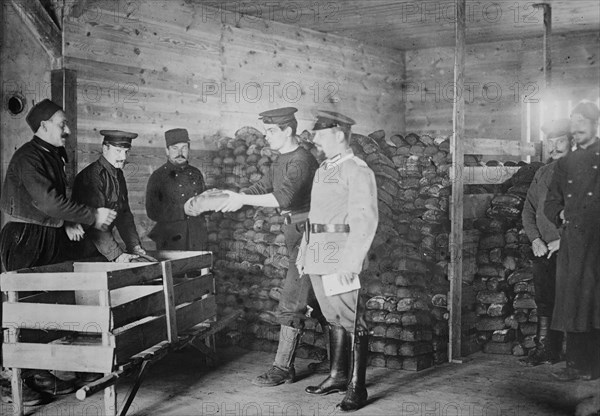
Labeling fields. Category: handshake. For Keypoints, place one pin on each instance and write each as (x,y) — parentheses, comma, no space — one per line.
(103,218)
(213,200)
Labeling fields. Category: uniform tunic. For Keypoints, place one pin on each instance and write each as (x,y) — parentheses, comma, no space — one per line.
(344,192)
(537,225)
(575,187)
(102,185)
(169,188)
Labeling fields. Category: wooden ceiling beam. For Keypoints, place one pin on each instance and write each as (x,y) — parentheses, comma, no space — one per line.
(38,21)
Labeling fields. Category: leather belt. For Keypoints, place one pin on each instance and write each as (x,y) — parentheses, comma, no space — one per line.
(329,228)
(294,217)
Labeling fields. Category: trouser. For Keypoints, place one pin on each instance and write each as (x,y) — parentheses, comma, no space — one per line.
(29,245)
(340,310)
(297,292)
(583,351)
(544,281)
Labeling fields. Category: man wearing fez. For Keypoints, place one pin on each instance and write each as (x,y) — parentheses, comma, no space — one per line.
(41,218)
(545,241)
(287,187)
(342,222)
(178,226)
(102,183)
(573,203)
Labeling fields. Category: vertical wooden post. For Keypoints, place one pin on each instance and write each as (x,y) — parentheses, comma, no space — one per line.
(547,46)
(12,336)
(170,313)
(63,87)
(456,212)
(110,393)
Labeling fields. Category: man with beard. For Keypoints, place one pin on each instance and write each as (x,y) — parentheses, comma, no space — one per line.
(573,202)
(168,194)
(41,219)
(102,183)
(545,241)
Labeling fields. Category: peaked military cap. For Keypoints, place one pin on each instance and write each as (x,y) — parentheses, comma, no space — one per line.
(175,136)
(118,138)
(278,116)
(329,119)
(557,128)
(42,111)
(588,110)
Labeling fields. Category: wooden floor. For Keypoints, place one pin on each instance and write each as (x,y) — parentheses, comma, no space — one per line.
(487,385)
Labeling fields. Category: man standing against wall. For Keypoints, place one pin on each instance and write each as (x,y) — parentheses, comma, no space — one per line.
(343,220)
(41,219)
(102,183)
(573,201)
(287,187)
(168,193)
(545,241)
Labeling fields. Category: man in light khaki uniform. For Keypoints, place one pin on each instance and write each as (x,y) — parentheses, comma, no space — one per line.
(343,219)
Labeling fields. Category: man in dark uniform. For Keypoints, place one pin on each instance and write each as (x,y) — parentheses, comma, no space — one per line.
(545,241)
(287,187)
(102,183)
(168,193)
(573,201)
(343,219)
(41,218)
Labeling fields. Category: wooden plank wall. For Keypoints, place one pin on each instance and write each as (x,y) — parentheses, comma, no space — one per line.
(172,63)
(24,69)
(509,70)
(151,66)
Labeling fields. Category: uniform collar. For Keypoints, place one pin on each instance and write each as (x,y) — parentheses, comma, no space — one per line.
(106,164)
(60,151)
(339,158)
(171,166)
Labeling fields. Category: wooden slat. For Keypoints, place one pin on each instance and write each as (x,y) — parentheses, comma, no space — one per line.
(474,146)
(169,299)
(134,276)
(139,338)
(191,314)
(154,304)
(456,207)
(66,297)
(487,175)
(93,319)
(85,358)
(190,264)
(53,281)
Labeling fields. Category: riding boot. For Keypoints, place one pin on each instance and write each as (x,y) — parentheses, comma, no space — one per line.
(338,374)
(356,394)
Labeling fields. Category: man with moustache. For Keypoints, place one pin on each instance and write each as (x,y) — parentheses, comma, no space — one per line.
(41,218)
(168,194)
(102,183)
(545,241)
(287,187)
(343,219)
(573,203)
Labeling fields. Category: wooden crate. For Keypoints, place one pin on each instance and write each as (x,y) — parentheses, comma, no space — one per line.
(109,311)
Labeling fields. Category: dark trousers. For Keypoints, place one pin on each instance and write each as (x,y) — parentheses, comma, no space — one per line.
(583,351)
(544,281)
(30,245)
(297,291)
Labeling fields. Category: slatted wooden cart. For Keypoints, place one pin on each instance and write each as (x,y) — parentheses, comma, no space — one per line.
(107,318)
